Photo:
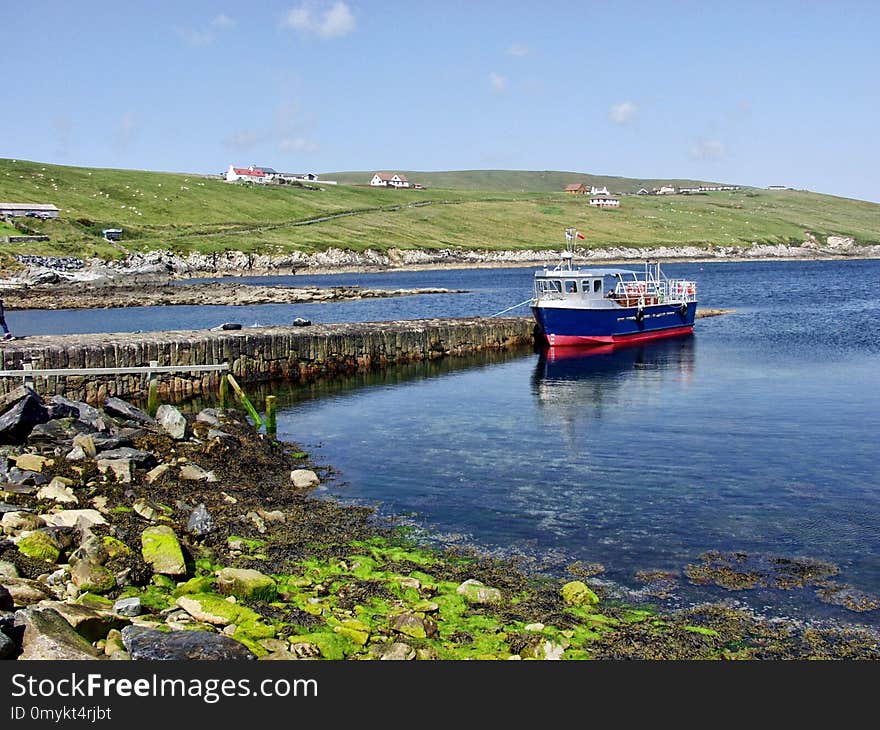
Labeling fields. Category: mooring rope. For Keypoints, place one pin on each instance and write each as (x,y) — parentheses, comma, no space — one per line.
(509,308)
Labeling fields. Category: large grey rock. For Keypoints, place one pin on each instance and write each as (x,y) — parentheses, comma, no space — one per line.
(90,623)
(304,478)
(15,522)
(144,643)
(26,592)
(200,521)
(84,412)
(129,606)
(171,421)
(141,459)
(211,416)
(120,468)
(195,473)
(26,476)
(48,636)
(19,420)
(118,408)
(76,518)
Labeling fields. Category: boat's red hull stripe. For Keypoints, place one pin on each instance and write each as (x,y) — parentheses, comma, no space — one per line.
(580,340)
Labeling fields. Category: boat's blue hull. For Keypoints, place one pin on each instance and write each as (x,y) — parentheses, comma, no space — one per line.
(571,327)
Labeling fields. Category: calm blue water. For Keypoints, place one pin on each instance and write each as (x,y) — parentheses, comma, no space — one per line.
(760,433)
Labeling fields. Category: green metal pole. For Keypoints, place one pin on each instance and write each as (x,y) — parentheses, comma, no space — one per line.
(243,399)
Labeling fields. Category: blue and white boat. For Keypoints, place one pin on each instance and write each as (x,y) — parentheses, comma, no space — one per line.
(587,307)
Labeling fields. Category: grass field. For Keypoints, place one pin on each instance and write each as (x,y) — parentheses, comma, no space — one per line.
(514,181)
(194,213)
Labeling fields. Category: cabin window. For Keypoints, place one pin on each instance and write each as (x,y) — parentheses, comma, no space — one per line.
(597,285)
(550,286)
(571,287)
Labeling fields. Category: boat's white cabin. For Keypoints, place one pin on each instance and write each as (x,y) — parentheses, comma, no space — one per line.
(601,288)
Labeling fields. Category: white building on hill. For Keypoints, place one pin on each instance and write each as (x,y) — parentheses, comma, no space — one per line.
(389,180)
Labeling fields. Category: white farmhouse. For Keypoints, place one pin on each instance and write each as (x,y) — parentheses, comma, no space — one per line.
(389,180)
(247,174)
(599,191)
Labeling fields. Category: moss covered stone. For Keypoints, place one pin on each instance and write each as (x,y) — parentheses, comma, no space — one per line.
(246,584)
(576,593)
(476,592)
(161,549)
(40,545)
(115,548)
(88,576)
(200,584)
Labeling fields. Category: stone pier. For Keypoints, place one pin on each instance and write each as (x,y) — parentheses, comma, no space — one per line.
(254,355)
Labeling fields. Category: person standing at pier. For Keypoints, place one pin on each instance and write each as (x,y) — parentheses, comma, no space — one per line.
(8,335)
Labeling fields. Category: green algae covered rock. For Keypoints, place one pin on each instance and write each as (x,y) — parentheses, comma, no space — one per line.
(476,592)
(40,545)
(200,584)
(161,549)
(576,593)
(246,584)
(90,577)
(355,630)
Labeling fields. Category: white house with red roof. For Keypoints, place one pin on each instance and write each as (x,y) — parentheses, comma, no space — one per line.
(389,180)
(247,174)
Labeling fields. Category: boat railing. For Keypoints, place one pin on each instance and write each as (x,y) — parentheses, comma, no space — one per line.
(652,291)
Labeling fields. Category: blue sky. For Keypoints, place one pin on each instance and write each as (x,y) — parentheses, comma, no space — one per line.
(756,93)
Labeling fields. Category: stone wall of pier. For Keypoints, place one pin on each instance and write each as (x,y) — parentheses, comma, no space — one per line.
(254,355)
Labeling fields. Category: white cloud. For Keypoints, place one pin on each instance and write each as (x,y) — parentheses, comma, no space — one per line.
(497,82)
(223,21)
(325,22)
(622,113)
(708,149)
(297,144)
(519,50)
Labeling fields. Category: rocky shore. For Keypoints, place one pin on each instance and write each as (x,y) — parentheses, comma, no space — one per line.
(162,265)
(127,536)
(106,294)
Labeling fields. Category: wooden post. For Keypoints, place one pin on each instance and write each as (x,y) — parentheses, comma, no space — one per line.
(224,391)
(243,399)
(271,421)
(28,379)
(153,391)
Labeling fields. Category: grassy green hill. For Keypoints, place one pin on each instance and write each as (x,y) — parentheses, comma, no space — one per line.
(514,181)
(195,213)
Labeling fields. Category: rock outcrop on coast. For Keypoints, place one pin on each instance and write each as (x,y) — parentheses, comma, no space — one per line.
(161,265)
(112,293)
(193,536)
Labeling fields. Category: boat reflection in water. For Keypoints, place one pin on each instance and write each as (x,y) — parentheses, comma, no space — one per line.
(623,382)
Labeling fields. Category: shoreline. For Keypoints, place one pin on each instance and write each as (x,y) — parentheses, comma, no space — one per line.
(160,267)
(252,564)
(110,294)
